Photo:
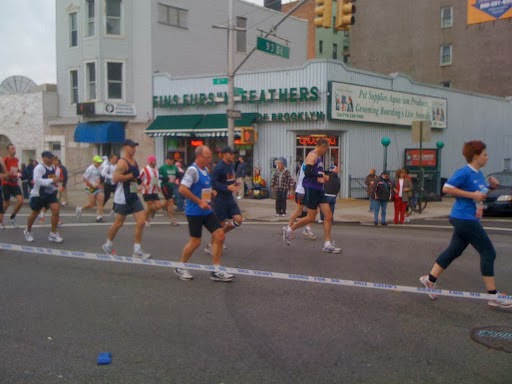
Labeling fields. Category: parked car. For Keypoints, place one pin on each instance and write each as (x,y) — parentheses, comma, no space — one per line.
(499,200)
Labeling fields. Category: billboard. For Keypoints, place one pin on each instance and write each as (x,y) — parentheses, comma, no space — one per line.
(482,11)
(428,158)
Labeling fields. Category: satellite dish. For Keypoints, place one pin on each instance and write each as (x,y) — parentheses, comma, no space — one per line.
(16,84)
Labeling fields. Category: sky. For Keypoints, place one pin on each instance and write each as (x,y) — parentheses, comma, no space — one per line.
(27,39)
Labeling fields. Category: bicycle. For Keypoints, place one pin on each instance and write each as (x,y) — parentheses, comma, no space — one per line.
(418,201)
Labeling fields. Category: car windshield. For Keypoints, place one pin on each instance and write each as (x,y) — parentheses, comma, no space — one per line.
(504,179)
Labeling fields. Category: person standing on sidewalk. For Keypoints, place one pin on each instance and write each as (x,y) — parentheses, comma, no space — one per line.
(314,179)
(168,176)
(470,189)
(383,192)
(44,196)
(126,200)
(196,187)
(370,182)
(402,188)
(281,184)
(241,173)
(10,186)
(331,189)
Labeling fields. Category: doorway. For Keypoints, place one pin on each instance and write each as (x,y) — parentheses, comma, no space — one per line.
(306,143)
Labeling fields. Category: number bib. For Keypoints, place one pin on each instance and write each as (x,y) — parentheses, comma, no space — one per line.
(206,194)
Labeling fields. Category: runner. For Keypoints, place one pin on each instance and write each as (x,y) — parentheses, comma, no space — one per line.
(150,180)
(168,175)
(44,195)
(59,177)
(109,186)
(299,211)
(3,175)
(196,187)
(10,187)
(225,185)
(313,181)
(470,189)
(126,200)
(95,197)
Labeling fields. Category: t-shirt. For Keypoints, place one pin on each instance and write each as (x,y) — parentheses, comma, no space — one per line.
(168,175)
(11,163)
(223,175)
(92,174)
(470,180)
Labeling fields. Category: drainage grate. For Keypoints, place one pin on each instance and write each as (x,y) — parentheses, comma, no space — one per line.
(496,337)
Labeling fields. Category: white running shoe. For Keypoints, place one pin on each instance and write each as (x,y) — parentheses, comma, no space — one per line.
(109,250)
(13,223)
(222,276)
(28,236)
(55,238)
(309,234)
(148,223)
(331,248)
(183,274)
(140,254)
(500,303)
(208,249)
(78,212)
(429,285)
(287,236)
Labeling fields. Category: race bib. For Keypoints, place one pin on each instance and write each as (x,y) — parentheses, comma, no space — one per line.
(206,194)
(133,187)
(154,181)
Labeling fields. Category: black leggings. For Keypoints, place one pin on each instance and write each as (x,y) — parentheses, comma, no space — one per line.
(469,232)
(108,189)
(281,202)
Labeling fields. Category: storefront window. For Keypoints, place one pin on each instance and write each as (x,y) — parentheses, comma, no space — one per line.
(306,143)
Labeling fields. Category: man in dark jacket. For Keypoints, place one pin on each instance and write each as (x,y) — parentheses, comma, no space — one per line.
(331,189)
(383,193)
(370,182)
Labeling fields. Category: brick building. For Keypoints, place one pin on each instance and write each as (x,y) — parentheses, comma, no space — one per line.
(431,41)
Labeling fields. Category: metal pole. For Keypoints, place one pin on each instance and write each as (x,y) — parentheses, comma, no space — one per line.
(385,158)
(231,78)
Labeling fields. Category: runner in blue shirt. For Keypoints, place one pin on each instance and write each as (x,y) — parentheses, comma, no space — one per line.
(469,187)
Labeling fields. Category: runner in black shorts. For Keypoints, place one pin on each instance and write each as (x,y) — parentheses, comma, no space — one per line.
(299,211)
(168,176)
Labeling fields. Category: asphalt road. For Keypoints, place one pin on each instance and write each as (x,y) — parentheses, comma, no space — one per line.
(57,314)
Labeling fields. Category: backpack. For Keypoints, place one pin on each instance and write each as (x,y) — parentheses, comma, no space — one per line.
(383,190)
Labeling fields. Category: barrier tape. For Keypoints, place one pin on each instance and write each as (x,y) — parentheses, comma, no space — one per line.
(248,272)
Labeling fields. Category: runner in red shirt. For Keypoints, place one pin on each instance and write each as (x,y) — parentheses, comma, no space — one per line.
(10,184)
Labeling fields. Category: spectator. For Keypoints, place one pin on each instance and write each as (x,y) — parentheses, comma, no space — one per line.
(241,173)
(281,184)
(370,181)
(383,193)
(331,189)
(402,189)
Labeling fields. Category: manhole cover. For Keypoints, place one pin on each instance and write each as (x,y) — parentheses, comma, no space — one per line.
(496,337)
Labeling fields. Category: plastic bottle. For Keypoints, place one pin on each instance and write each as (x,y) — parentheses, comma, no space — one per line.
(480,204)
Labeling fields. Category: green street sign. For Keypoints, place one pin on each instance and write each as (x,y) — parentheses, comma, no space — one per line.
(272,48)
(220,81)
(239,91)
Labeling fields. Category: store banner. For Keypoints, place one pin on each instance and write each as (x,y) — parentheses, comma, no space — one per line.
(428,158)
(482,11)
(357,103)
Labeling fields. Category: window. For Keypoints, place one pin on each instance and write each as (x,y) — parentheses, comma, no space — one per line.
(176,17)
(241,36)
(345,58)
(335,51)
(446,17)
(446,84)
(320,46)
(334,23)
(89,11)
(115,80)
(113,17)
(73,89)
(446,55)
(90,78)
(73,30)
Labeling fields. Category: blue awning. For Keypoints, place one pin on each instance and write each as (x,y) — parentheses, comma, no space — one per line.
(100,133)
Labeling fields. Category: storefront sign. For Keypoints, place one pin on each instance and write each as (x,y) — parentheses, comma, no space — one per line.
(311,140)
(115,109)
(280,95)
(428,158)
(291,116)
(482,11)
(352,102)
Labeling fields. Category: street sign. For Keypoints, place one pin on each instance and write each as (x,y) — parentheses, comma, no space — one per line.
(421,131)
(237,115)
(220,81)
(239,91)
(272,48)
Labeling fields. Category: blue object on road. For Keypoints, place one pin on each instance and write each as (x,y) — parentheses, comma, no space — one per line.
(104,358)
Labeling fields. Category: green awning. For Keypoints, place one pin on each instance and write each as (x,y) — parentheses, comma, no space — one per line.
(215,125)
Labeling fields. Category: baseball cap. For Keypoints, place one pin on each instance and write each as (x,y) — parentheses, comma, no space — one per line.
(130,143)
(385,173)
(151,158)
(227,150)
(97,159)
(47,154)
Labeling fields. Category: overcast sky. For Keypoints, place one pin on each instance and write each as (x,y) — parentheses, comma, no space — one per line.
(27,39)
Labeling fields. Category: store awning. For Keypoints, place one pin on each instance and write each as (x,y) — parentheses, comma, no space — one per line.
(196,125)
(100,133)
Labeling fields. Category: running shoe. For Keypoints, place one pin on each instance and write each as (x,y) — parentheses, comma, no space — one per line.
(60,223)
(13,223)
(320,221)
(287,236)
(55,238)
(99,219)
(183,274)
(429,285)
(331,248)
(28,236)
(309,234)
(222,276)
(500,303)
(208,249)
(109,250)
(174,223)
(78,212)
(63,203)
(224,246)
(140,254)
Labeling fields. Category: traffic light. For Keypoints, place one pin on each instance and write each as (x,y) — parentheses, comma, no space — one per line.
(248,136)
(345,15)
(323,12)
(86,109)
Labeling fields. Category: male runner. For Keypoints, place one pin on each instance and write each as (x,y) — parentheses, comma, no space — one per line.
(126,200)
(224,183)
(299,199)
(196,187)
(150,181)
(107,172)
(10,185)
(314,179)
(44,195)
(95,196)
(168,175)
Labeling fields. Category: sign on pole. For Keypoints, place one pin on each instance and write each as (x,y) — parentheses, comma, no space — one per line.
(220,81)
(421,131)
(272,48)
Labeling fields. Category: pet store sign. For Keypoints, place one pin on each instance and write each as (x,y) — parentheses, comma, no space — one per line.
(357,103)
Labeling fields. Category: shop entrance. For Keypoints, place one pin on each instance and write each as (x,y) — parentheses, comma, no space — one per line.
(306,143)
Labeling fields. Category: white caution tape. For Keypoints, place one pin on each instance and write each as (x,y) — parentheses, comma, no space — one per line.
(247,272)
